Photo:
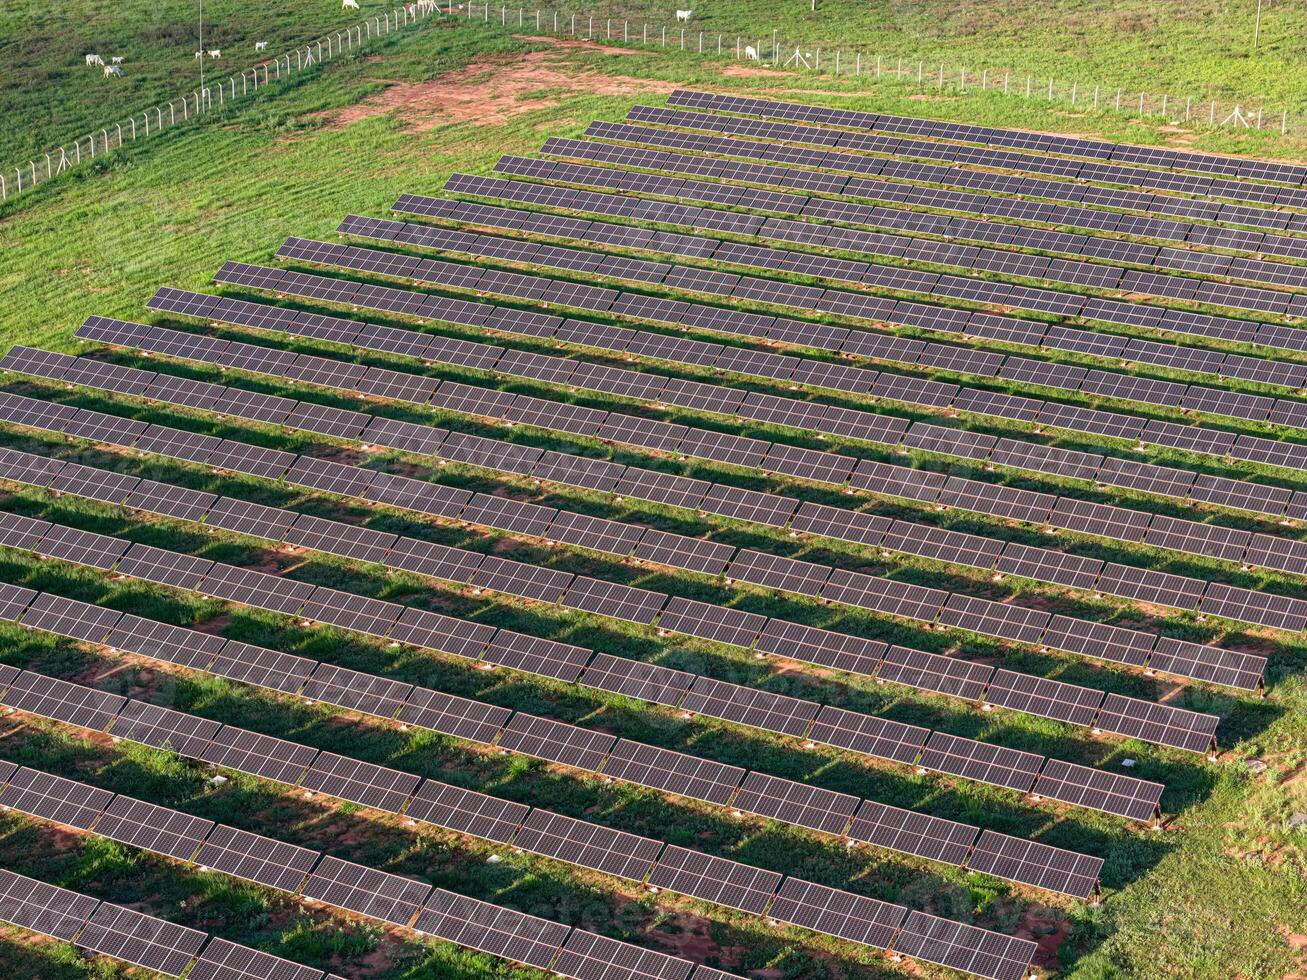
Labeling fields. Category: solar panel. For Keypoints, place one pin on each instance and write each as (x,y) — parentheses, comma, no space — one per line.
(1150,585)
(556,741)
(1101,640)
(54,798)
(350,611)
(13,601)
(1160,723)
(161,641)
(152,827)
(934,672)
(614,599)
(673,772)
(1206,663)
(981,761)
(537,655)
(43,908)
(466,811)
(748,505)
(225,960)
(69,617)
(795,803)
(838,913)
(715,880)
(360,782)
(595,533)
(338,538)
(636,679)
(907,832)
(679,551)
(777,572)
(869,735)
(1046,565)
(450,715)
(246,517)
(256,858)
(261,667)
(491,929)
(366,891)
(884,595)
(589,956)
(1033,863)
(150,724)
(356,691)
(1044,697)
(963,947)
(711,622)
(1265,609)
(520,579)
(165,567)
(23,533)
(750,706)
(259,755)
(809,644)
(51,697)
(1110,792)
(82,547)
(141,939)
(588,845)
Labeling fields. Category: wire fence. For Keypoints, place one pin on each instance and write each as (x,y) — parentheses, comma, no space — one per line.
(763,52)
(194,105)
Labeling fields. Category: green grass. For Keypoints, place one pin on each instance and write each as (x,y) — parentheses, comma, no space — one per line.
(1211,898)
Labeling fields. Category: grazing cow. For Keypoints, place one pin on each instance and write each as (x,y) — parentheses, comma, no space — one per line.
(112,70)
(117,59)
(751,52)
(215,53)
(199,54)
(94,59)
(349,4)
(684,16)
(260,45)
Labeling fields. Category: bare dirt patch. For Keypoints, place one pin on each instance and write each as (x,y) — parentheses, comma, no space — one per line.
(494,89)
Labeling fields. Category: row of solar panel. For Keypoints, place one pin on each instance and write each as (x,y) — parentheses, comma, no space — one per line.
(968,157)
(944,286)
(975,258)
(1150,156)
(135,937)
(542,831)
(626,540)
(1119,523)
(355,691)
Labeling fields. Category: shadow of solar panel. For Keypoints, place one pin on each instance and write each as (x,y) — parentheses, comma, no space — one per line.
(711,622)
(357,691)
(491,929)
(520,579)
(776,572)
(81,547)
(350,611)
(679,551)
(981,761)
(614,599)
(795,803)
(715,879)
(884,595)
(1044,697)
(162,641)
(935,672)
(537,655)
(23,533)
(1211,664)
(1159,723)
(150,724)
(907,832)
(466,811)
(51,697)
(1033,863)
(262,667)
(588,956)
(1101,640)
(556,741)
(436,560)
(967,948)
(165,567)
(1110,792)
(451,715)
(224,960)
(869,735)
(636,679)
(838,913)
(1046,565)
(259,755)
(366,890)
(749,706)
(809,644)
(14,600)
(54,798)
(588,845)
(43,908)
(152,827)
(245,517)
(254,857)
(673,772)
(141,939)
(360,782)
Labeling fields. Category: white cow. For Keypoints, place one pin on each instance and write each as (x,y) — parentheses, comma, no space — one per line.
(112,70)
(751,52)
(117,59)
(94,59)
(349,4)
(260,45)
(199,54)
(684,16)
(215,52)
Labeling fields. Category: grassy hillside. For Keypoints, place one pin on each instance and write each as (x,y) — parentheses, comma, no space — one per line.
(1228,897)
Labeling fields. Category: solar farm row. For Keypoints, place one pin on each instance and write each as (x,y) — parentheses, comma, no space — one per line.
(911,313)
(1060,338)
(503,821)
(134,937)
(990,618)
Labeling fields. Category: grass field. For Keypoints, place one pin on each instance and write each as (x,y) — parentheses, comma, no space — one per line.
(1222,894)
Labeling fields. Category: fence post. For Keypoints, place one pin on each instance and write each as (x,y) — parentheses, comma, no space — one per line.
(1211,118)
(1006,78)
(1259,117)
(4,189)
(1141,103)
(48,173)
(941,71)
(1164,100)
(1050,90)
(1284,121)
